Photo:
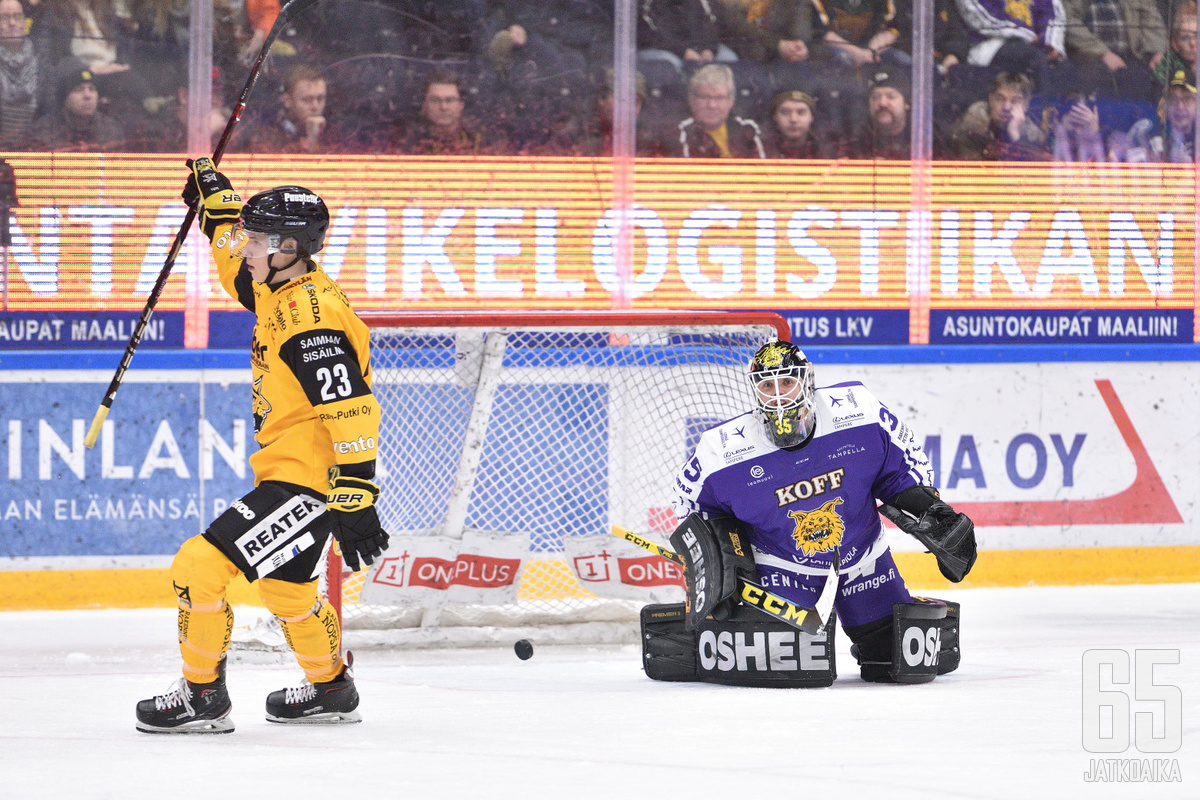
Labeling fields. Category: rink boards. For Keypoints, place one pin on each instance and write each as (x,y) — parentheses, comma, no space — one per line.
(1074,471)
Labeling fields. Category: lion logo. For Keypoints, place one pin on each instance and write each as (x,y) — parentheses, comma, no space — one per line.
(771,355)
(820,530)
(1020,9)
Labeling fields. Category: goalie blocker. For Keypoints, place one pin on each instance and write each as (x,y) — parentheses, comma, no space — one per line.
(715,553)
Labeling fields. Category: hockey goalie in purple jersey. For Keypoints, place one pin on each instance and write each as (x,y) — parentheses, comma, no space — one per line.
(798,478)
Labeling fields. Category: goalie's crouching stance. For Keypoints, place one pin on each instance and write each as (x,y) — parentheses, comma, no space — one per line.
(780,523)
(317,426)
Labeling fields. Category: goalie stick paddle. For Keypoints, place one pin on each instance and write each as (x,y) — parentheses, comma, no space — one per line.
(288,12)
(808,620)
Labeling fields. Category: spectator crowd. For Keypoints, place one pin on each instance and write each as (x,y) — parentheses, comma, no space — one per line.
(1016,80)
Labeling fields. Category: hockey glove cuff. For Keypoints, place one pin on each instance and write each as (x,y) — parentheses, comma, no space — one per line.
(351,503)
(949,535)
(218,202)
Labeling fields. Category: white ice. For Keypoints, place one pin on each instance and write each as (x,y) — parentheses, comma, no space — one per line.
(585,722)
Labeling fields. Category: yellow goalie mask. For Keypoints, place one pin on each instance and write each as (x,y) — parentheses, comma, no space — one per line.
(784,389)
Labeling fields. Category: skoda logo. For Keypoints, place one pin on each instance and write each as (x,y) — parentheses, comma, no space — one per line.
(756,472)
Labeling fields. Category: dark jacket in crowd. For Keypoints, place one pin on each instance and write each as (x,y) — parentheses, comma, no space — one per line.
(817,145)
(64,132)
(854,21)
(873,144)
(677,25)
(692,141)
(950,36)
(580,25)
(421,140)
(759,40)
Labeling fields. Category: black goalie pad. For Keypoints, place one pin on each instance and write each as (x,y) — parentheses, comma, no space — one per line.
(950,655)
(696,544)
(747,649)
(918,642)
(668,648)
(716,553)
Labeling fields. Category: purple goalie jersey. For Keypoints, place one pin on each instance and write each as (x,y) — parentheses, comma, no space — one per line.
(803,505)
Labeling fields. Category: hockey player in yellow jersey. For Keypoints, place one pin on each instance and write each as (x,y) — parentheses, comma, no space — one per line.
(317,427)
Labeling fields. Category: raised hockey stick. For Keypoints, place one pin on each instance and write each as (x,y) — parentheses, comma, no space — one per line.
(809,620)
(289,11)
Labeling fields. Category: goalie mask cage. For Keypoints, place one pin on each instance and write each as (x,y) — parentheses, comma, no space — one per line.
(528,429)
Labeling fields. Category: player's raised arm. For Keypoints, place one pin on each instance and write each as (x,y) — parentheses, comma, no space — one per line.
(220,215)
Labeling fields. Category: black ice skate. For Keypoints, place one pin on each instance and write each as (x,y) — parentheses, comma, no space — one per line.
(188,708)
(312,703)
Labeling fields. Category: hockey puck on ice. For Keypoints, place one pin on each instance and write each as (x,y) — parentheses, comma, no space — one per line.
(523,649)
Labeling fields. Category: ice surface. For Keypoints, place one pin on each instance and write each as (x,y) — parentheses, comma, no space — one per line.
(585,722)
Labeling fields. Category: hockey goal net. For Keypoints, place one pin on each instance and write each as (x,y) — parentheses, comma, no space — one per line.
(508,438)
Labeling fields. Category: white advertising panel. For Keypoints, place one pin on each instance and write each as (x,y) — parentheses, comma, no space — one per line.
(1054,455)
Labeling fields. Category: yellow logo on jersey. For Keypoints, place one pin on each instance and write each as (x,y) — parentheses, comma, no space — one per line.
(261,406)
(1020,10)
(820,530)
(258,354)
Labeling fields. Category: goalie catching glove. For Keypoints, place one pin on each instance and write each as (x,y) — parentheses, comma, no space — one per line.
(351,503)
(219,203)
(946,533)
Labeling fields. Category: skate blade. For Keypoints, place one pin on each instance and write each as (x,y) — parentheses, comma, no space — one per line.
(199,726)
(332,718)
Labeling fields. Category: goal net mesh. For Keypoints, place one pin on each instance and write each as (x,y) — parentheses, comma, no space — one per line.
(539,430)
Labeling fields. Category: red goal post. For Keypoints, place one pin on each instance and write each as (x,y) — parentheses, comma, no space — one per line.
(515,438)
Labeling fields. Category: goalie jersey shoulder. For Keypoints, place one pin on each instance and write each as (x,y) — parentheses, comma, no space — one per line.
(851,405)
(733,441)
(845,405)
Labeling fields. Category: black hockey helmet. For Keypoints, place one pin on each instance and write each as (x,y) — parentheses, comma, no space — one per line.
(784,392)
(289,212)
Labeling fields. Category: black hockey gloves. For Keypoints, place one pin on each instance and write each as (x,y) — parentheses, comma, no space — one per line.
(221,203)
(356,527)
(949,535)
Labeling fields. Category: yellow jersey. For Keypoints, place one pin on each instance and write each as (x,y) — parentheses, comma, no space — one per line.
(311,362)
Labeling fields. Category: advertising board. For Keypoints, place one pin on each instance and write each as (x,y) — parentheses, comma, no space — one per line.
(1019,253)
